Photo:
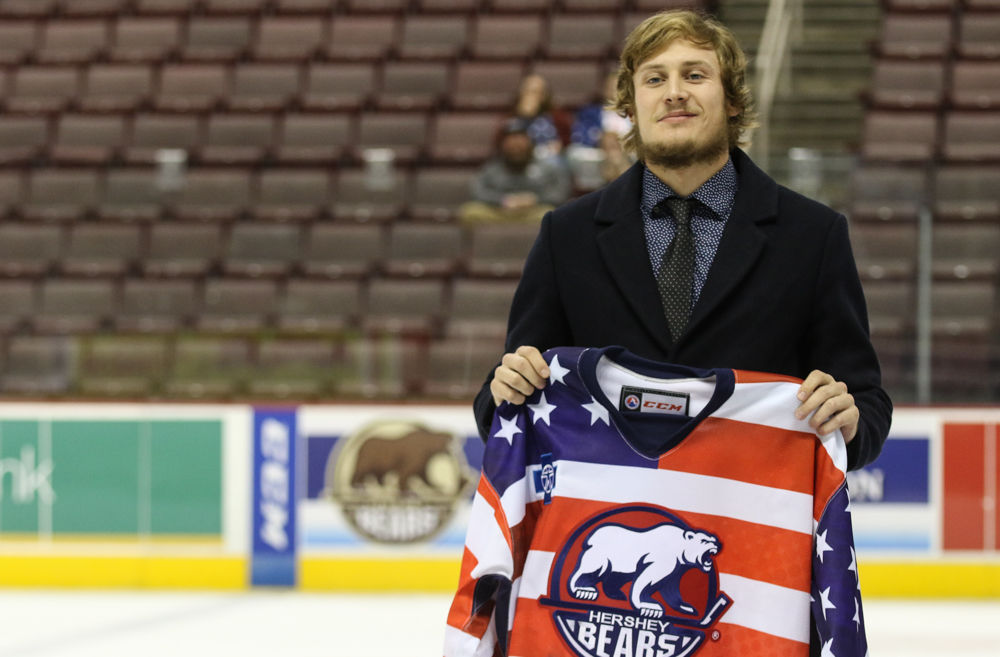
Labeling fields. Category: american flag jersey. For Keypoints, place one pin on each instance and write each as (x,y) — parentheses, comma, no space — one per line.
(637,509)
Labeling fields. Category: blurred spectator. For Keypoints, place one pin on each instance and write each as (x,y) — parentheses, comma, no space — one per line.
(596,156)
(515,186)
(548,126)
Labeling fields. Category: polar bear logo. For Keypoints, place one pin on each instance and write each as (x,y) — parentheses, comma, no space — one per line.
(651,559)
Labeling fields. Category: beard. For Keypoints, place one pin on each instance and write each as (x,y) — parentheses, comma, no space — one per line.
(680,155)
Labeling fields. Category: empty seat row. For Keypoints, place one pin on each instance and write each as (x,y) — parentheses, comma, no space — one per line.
(201,367)
(958,136)
(889,251)
(958,308)
(264,250)
(431,194)
(289,39)
(922,85)
(274,87)
(467,308)
(458,137)
(937,6)
(87,8)
(909,36)
(954,193)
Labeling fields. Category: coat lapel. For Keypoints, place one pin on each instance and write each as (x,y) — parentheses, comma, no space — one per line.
(623,246)
(742,241)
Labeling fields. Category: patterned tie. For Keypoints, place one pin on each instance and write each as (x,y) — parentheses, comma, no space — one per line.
(676,276)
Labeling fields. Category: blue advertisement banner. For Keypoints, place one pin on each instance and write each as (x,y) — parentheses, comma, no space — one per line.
(274,527)
(900,475)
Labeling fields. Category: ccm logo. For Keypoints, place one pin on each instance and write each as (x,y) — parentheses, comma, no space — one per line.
(663,406)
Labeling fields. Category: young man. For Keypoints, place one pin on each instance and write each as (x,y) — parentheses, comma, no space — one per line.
(771,284)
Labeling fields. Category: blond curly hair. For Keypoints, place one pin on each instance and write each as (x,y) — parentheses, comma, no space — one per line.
(654,35)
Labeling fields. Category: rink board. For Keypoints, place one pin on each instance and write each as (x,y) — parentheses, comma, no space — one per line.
(194,496)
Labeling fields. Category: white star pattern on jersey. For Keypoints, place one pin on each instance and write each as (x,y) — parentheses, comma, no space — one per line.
(854,567)
(557,371)
(597,412)
(828,649)
(824,599)
(857,614)
(542,410)
(508,429)
(822,547)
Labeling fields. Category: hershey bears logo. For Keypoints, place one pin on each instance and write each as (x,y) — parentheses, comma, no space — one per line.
(636,581)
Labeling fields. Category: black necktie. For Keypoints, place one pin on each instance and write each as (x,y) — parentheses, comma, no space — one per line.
(676,275)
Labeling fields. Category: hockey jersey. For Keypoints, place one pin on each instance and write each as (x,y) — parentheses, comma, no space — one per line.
(637,509)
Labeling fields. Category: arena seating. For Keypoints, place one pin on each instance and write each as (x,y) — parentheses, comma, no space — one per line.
(932,137)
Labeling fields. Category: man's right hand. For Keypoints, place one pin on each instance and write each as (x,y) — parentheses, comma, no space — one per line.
(519,375)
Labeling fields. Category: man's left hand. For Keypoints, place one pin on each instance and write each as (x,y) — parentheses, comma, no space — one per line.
(833,405)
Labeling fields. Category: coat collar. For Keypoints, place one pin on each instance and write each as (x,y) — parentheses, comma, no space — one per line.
(623,245)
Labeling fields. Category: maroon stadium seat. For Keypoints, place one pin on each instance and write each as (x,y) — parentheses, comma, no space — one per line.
(506,37)
(916,85)
(116,87)
(234,6)
(434,37)
(976,85)
(101,249)
(363,6)
(264,87)
(900,136)
(338,86)
(289,38)
(182,249)
(74,306)
(17,41)
(885,251)
(464,137)
(499,251)
(27,8)
(214,195)
(979,36)
(362,37)
(38,365)
(438,193)
(572,84)
(404,307)
(61,195)
(238,138)
(319,306)
(165,7)
(412,85)
(456,368)
(28,249)
(217,38)
(972,137)
(450,6)
(93,7)
(405,134)
(338,250)
(887,193)
(967,193)
(152,132)
(423,250)
(145,39)
(293,368)
(151,305)
(486,85)
(577,36)
(192,87)
(920,5)
(238,305)
(87,139)
(314,138)
(915,36)
(357,200)
(209,367)
(262,249)
(890,307)
(292,194)
(72,41)
(22,138)
(121,366)
(11,192)
(962,308)
(539,6)
(131,195)
(43,89)
(17,304)
(593,5)
(305,6)
(966,251)
(480,308)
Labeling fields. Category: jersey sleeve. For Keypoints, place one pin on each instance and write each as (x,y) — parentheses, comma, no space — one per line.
(836,588)
(482,611)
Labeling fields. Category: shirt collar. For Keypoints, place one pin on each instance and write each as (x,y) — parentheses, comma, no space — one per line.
(717,193)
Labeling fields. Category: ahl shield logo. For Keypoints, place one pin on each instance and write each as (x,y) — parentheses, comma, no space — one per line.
(636,581)
(632,402)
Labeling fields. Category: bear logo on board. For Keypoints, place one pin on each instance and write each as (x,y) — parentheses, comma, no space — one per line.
(636,580)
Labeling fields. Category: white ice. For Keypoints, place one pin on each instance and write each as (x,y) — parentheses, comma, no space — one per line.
(257,624)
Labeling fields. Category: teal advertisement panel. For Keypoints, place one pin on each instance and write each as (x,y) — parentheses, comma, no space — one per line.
(111,477)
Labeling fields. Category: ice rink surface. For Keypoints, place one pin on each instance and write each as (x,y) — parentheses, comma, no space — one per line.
(259,624)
